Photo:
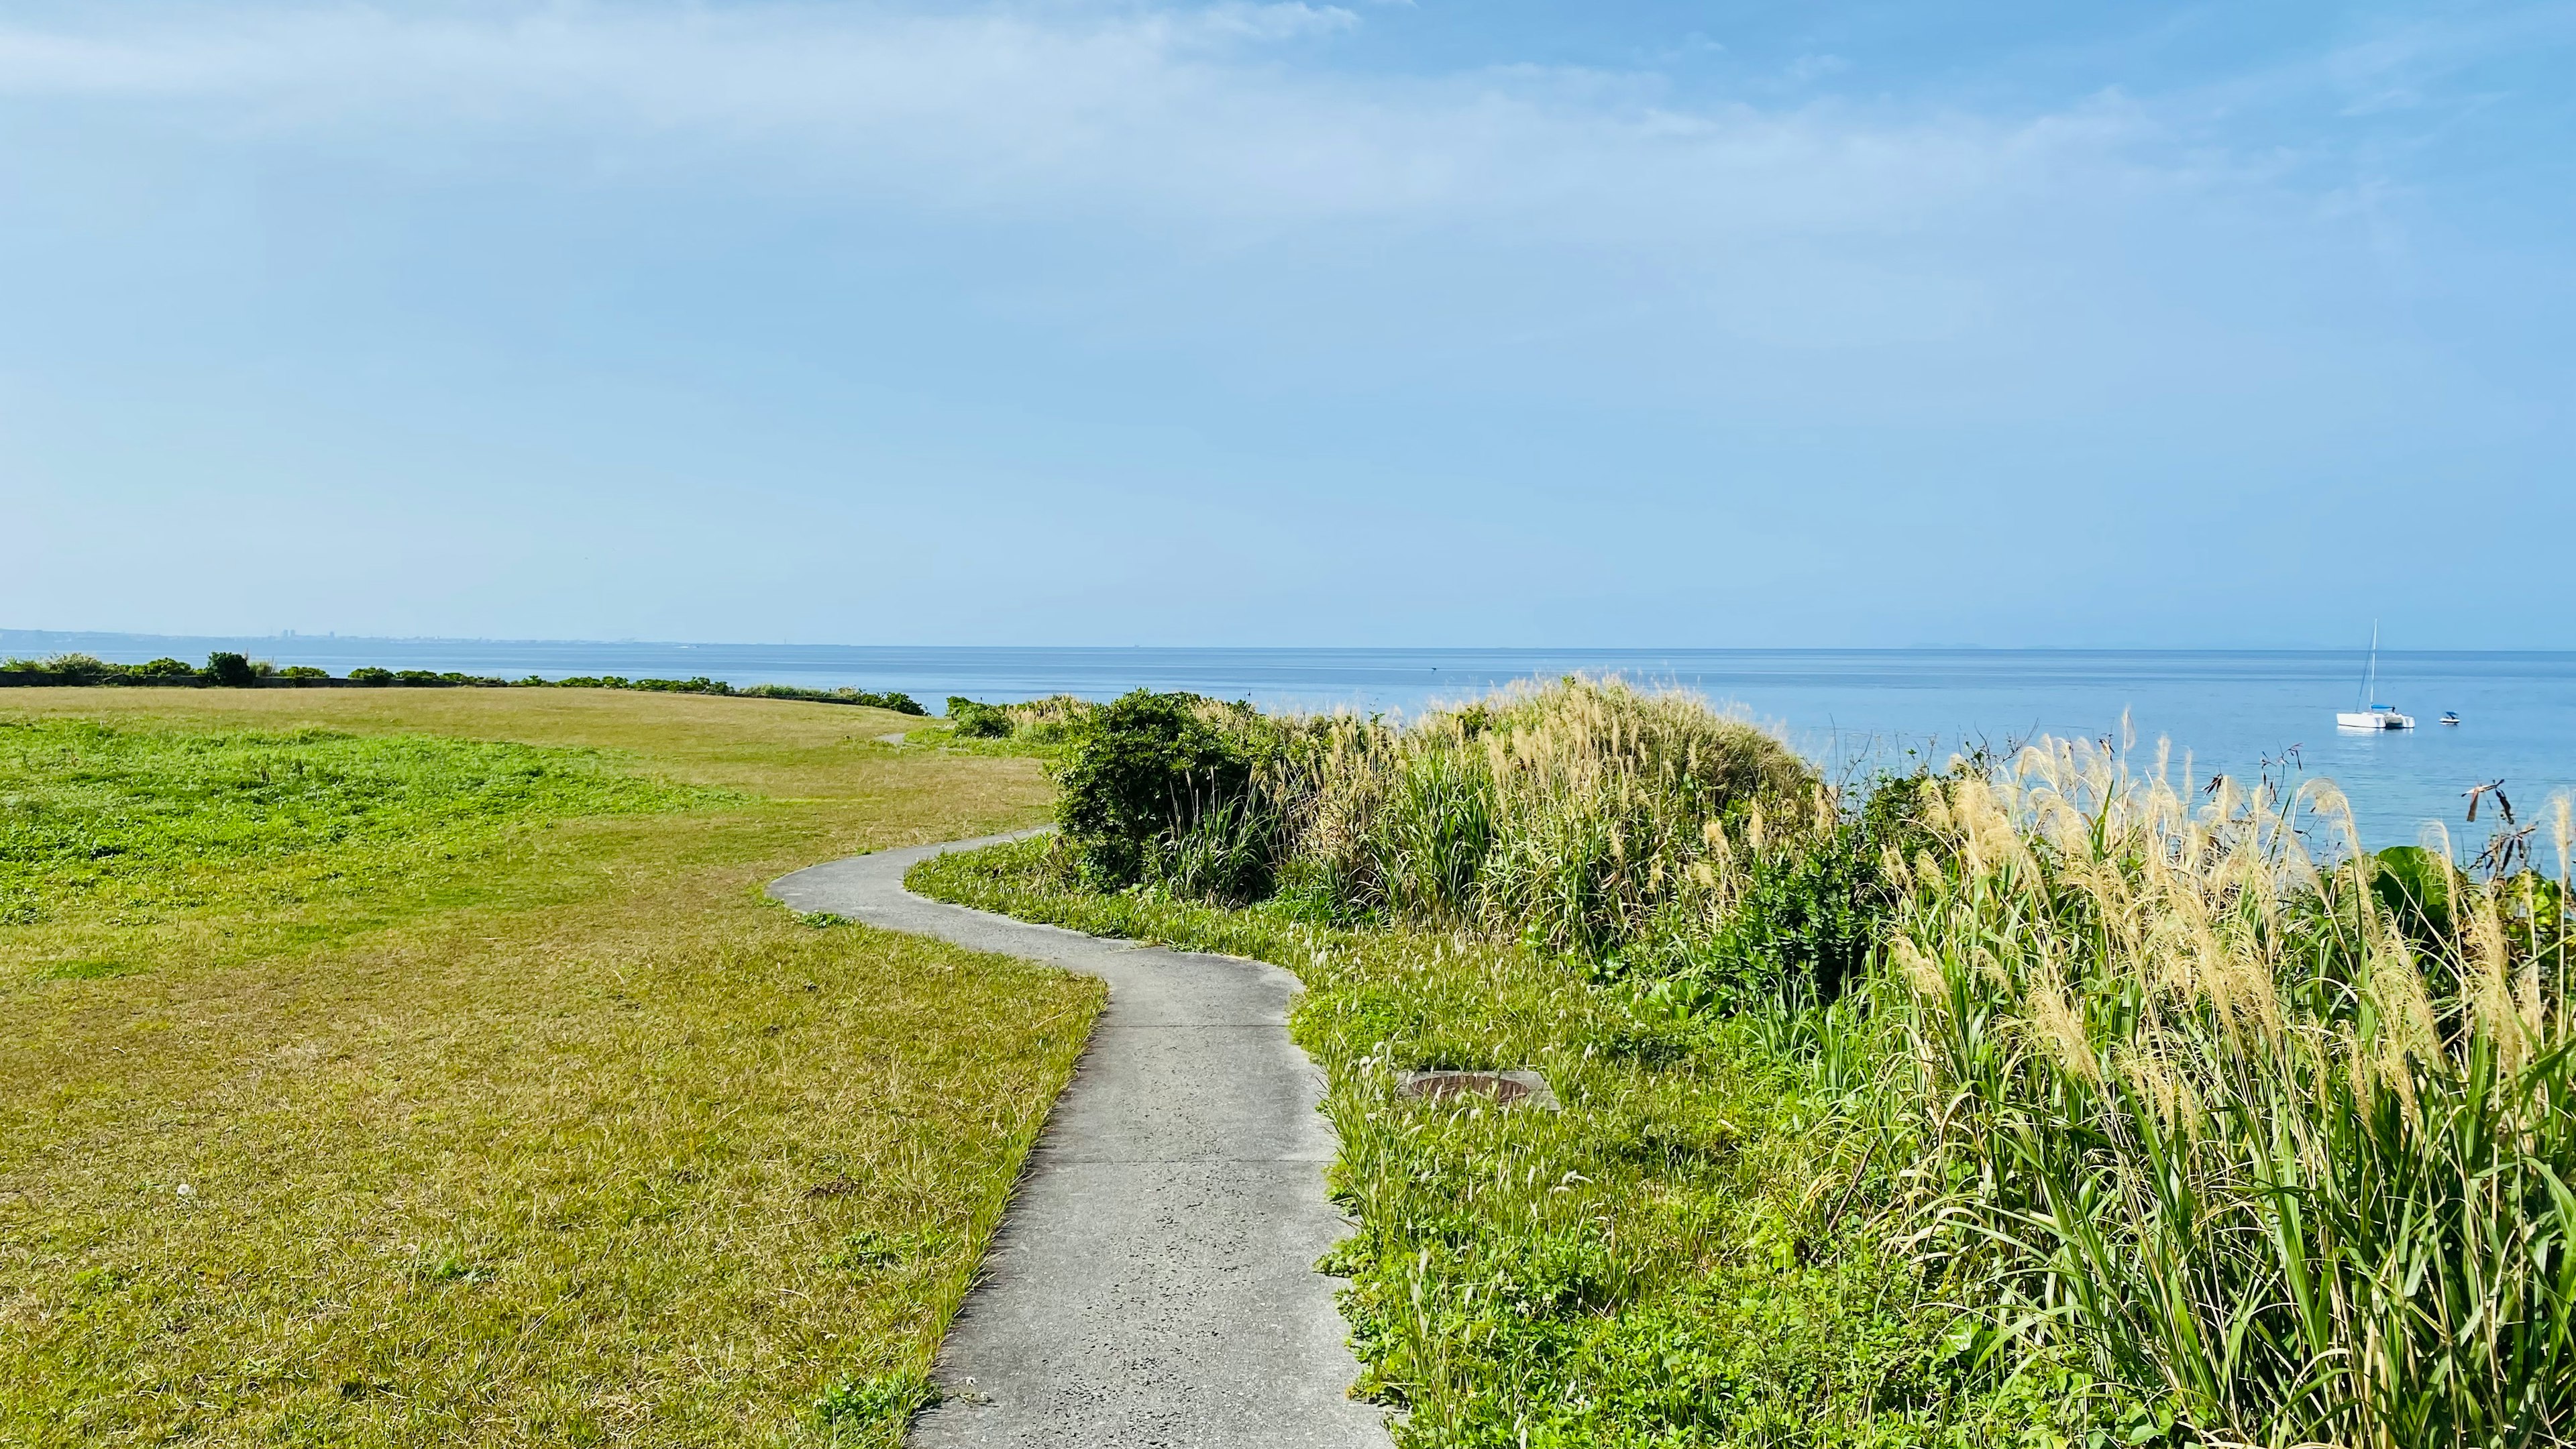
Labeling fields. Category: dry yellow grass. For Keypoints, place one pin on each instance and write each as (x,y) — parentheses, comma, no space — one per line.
(2280,1139)
(570,1138)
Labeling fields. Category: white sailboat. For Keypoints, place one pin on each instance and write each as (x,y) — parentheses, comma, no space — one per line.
(2373,715)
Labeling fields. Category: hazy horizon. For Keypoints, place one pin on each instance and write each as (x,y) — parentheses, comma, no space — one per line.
(19,639)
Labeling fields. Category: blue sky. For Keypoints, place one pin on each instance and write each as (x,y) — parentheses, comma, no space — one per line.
(1494,323)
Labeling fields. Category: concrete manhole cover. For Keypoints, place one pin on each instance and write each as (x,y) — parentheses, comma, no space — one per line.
(1527,1089)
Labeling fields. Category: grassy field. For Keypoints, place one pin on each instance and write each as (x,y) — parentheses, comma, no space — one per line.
(424,1066)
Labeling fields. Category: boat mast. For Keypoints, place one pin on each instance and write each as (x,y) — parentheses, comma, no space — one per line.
(2370,681)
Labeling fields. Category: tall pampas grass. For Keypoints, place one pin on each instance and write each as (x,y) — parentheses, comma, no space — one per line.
(1576,814)
(2199,1103)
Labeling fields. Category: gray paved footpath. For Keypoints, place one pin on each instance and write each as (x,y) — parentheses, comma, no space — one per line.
(1153,1283)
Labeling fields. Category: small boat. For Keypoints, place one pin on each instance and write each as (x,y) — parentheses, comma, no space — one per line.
(2372,716)
(2450,716)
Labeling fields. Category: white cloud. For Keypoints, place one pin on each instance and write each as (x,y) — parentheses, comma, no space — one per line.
(1181,111)
(1531,206)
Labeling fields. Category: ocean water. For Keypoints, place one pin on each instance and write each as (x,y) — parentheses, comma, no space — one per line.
(2230,712)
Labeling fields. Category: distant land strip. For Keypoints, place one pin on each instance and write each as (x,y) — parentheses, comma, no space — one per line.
(226,670)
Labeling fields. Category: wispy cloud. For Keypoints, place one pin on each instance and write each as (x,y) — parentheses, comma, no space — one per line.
(1187,109)
(1590,198)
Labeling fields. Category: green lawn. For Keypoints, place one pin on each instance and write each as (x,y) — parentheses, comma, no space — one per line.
(425,1067)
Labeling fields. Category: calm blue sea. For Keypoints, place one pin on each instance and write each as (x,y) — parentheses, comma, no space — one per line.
(2231,711)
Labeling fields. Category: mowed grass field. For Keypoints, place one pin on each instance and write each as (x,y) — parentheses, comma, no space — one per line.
(424,1066)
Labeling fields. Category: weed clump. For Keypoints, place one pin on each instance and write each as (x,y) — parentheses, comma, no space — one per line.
(876,1408)
(1048,721)
(970,720)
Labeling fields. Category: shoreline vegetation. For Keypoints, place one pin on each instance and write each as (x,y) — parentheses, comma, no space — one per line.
(236,671)
(2031,1099)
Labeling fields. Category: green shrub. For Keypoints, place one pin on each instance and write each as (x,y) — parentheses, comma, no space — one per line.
(1146,773)
(897,701)
(163,668)
(231,671)
(67,668)
(698,685)
(371,675)
(1810,907)
(972,721)
(303,671)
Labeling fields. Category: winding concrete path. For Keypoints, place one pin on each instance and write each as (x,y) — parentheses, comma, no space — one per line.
(1153,1283)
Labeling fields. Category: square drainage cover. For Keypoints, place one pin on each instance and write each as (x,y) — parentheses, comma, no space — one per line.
(1501,1088)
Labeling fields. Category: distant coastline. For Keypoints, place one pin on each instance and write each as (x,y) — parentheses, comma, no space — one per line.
(2237,711)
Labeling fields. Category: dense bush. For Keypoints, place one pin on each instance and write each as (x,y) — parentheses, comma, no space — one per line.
(895,700)
(371,676)
(231,671)
(970,720)
(1811,903)
(698,685)
(65,669)
(1162,787)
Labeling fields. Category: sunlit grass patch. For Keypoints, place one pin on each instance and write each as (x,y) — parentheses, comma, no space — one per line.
(137,824)
(546,1128)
